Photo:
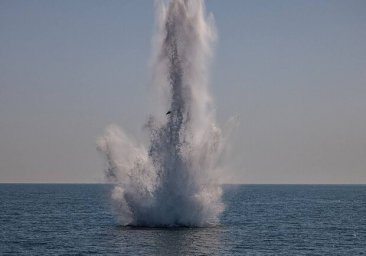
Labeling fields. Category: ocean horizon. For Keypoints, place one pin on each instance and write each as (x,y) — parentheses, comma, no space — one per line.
(77,219)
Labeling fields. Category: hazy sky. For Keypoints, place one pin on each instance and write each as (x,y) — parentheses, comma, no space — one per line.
(293,71)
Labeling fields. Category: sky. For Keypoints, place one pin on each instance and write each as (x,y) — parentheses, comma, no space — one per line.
(292,72)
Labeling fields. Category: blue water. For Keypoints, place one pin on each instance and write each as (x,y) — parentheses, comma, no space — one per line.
(258,220)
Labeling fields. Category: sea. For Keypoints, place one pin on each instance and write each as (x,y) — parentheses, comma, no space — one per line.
(76,219)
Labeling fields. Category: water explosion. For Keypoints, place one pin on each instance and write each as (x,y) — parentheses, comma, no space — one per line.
(172,182)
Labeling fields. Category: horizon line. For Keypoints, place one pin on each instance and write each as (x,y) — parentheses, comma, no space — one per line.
(106,183)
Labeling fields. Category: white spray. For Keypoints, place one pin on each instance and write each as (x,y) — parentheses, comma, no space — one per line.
(172,183)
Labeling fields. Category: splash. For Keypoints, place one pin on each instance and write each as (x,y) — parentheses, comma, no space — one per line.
(172,182)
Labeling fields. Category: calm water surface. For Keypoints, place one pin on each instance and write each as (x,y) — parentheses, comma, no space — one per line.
(259,220)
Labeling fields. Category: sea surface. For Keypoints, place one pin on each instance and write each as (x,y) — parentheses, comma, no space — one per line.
(58,219)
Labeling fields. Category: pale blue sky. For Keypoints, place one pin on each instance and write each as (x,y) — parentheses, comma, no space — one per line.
(293,71)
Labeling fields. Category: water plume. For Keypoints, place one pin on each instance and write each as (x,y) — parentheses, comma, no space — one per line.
(172,181)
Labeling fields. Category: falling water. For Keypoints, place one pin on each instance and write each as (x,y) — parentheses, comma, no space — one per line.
(173,181)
